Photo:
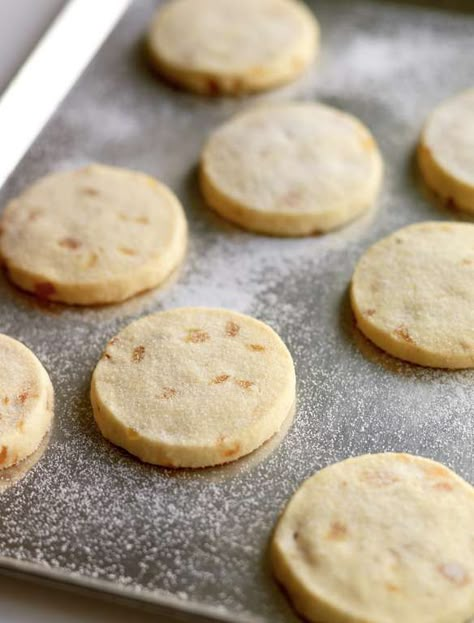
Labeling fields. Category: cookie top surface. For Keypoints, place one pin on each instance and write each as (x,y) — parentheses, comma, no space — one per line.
(413,294)
(376,538)
(25,401)
(449,136)
(310,163)
(94,227)
(235,45)
(200,386)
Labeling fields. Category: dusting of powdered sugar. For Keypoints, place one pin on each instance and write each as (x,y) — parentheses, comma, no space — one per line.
(88,508)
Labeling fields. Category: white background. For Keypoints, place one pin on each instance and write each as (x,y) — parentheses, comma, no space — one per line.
(24,602)
(22,22)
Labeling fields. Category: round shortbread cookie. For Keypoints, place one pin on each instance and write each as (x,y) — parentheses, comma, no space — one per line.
(379,538)
(291,170)
(95,235)
(446,151)
(413,294)
(12,475)
(223,46)
(193,387)
(26,402)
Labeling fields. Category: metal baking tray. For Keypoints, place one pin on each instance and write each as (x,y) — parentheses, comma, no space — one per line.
(195,542)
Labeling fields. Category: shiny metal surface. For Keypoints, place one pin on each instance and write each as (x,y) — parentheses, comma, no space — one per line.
(89,514)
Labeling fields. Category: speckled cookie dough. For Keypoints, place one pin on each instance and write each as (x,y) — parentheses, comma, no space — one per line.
(95,235)
(446,151)
(26,402)
(413,294)
(383,537)
(227,47)
(193,387)
(291,170)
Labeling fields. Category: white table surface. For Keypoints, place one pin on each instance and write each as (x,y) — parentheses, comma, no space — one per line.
(24,602)
(22,23)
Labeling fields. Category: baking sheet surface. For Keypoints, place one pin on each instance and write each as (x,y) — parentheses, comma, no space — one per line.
(90,510)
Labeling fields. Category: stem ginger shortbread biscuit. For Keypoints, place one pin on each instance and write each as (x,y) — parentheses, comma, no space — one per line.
(380,538)
(232,47)
(193,387)
(412,294)
(95,235)
(26,402)
(446,151)
(291,170)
